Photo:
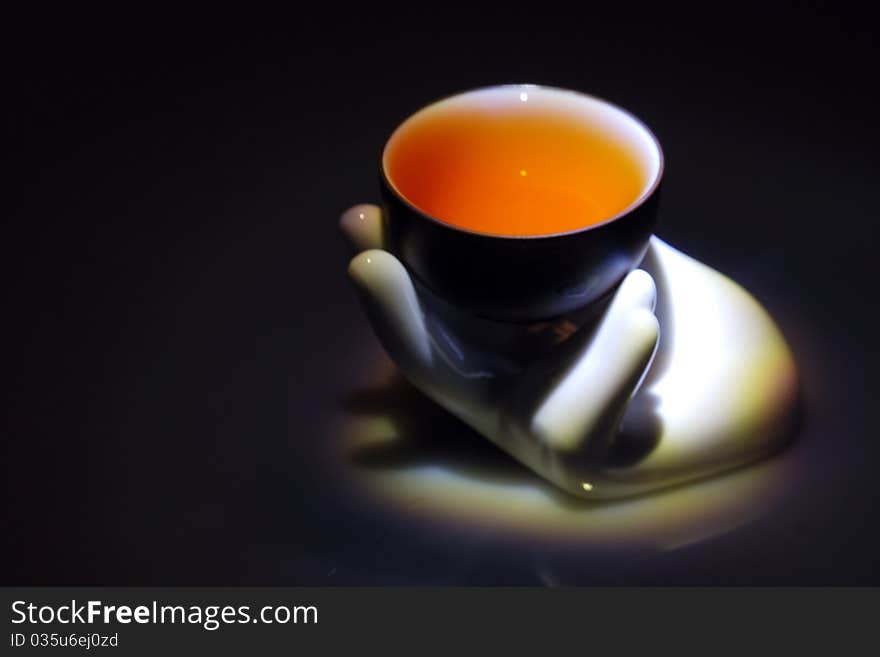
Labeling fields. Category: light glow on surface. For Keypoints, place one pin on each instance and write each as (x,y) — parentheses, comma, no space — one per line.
(463,490)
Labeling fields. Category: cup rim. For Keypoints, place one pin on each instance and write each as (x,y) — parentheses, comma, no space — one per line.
(637,203)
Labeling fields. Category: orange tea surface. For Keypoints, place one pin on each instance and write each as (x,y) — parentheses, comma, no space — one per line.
(511,167)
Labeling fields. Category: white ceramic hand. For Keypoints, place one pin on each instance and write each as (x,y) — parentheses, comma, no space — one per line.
(561,415)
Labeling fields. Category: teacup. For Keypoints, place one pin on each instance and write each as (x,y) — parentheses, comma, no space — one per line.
(586,171)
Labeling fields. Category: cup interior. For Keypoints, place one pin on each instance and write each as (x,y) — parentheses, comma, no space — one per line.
(408,174)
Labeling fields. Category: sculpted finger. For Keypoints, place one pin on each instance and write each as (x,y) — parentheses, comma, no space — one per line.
(361,225)
(602,379)
(637,290)
(393,308)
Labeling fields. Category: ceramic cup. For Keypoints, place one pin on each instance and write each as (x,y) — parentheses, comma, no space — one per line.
(525,279)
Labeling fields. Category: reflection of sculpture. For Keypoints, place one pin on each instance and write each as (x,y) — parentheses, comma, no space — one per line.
(720,391)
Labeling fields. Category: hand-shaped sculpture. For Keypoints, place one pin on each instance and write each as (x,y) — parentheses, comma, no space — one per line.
(593,415)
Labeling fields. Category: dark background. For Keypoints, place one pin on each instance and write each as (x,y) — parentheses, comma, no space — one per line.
(179,326)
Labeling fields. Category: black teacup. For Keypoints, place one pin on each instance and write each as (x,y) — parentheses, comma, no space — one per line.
(515,277)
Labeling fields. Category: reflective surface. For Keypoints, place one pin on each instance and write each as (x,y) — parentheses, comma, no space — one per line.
(185,345)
